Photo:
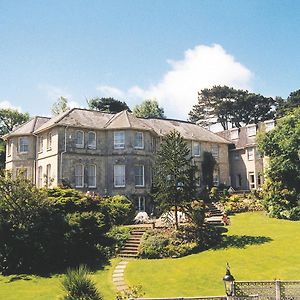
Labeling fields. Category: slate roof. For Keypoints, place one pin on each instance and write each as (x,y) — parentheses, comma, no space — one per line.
(84,118)
(29,127)
(243,141)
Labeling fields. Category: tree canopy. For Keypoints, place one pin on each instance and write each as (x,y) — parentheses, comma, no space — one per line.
(231,107)
(149,109)
(108,105)
(60,106)
(9,118)
(292,101)
(174,179)
(281,146)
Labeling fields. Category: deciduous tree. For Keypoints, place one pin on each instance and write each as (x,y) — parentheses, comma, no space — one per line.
(281,146)
(149,109)
(61,105)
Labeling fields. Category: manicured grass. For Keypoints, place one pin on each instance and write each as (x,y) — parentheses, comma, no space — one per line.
(258,248)
(39,288)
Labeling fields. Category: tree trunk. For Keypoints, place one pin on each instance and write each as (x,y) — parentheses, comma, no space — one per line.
(176,218)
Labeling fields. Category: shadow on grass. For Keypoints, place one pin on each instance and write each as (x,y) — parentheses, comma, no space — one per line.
(242,241)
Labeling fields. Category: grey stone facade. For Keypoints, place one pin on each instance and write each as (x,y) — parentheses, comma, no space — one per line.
(79,147)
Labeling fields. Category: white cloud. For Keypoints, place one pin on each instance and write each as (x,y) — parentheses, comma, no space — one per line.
(54,92)
(7,104)
(201,67)
(110,91)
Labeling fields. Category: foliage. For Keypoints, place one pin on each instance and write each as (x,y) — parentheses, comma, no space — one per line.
(10,118)
(46,234)
(159,243)
(61,105)
(174,177)
(149,109)
(281,146)
(208,165)
(228,106)
(121,210)
(107,105)
(214,194)
(292,102)
(79,286)
(120,235)
(237,203)
(31,230)
(131,292)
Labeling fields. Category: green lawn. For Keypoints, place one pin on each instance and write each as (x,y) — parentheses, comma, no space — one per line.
(272,251)
(260,248)
(38,288)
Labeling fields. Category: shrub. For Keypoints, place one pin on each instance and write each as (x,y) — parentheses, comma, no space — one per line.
(119,234)
(78,285)
(160,243)
(280,202)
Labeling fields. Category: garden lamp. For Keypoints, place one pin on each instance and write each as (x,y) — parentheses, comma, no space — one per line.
(228,280)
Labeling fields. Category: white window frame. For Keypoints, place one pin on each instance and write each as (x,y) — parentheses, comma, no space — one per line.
(215,150)
(141,204)
(250,153)
(139,140)
(270,124)
(77,145)
(234,133)
(196,153)
(92,145)
(49,140)
(94,176)
(251,130)
(40,144)
(142,176)
(117,176)
(40,176)
(9,146)
(119,143)
(216,180)
(21,145)
(79,175)
(48,174)
(252,184)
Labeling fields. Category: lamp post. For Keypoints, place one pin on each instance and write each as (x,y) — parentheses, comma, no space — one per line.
(228,280)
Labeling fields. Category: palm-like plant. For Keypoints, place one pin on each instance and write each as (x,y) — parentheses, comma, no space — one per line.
(79,286)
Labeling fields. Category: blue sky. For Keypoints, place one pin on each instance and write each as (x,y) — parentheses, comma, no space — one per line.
(134,50)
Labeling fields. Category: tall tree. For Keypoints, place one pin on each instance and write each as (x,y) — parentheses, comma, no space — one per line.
(9,118)
(174,179)
(149,109)
(108,105)
(231,107)
(61,105)
(281,146)
(292,101)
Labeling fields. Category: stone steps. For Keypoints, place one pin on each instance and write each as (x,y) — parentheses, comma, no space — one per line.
(131,247)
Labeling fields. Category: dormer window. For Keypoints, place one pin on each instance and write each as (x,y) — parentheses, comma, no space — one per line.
(234,134)
(251,130)
(92,140)
(139,140)
(196,149)
(23,145)
(79,139)
(269,125)
(119,140)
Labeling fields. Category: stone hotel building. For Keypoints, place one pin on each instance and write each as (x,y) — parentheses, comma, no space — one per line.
(106,153)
